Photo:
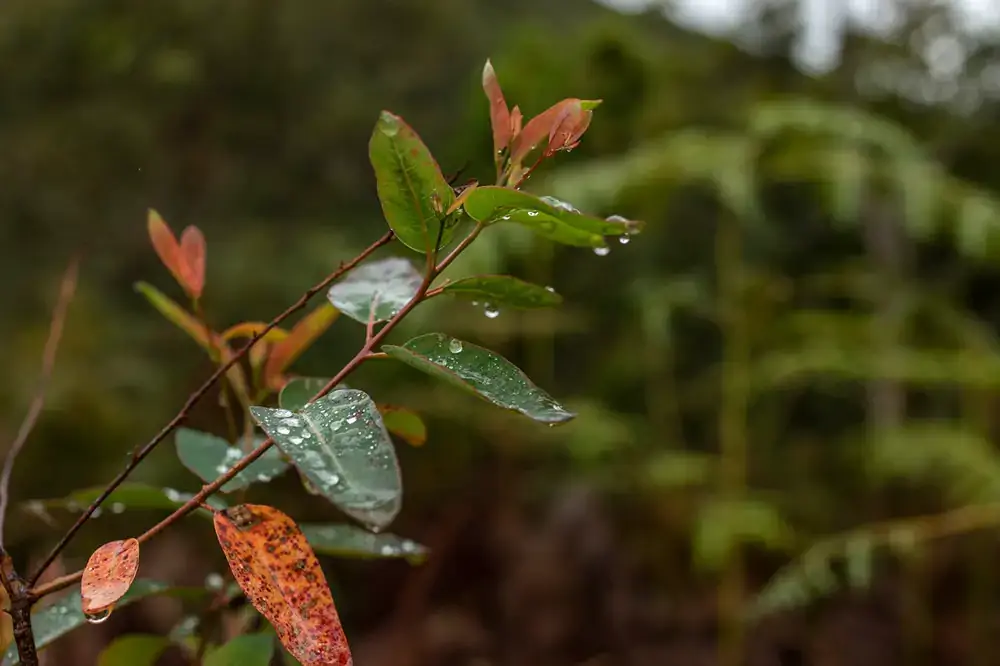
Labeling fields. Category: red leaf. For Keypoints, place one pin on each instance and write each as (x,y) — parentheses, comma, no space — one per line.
(303,334)
(165,245)
(568,128)
(278,571)
(500,117)
(572,114)
(192,254)
(107,576)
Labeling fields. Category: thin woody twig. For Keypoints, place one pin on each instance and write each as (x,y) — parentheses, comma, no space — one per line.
(362,355)
(140,453)
(66,290)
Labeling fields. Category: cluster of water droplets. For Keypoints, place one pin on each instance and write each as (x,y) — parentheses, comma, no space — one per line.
(623,239)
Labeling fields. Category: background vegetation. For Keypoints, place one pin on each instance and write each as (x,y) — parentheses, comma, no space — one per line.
(787,385)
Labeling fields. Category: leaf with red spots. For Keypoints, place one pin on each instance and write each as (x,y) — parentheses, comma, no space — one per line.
(107,576)
(278,571)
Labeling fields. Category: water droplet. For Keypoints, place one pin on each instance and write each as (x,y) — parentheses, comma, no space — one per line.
(214,581)
(172,495)
(351,420)
(532,213)
(624,239)
(282,413)
(388,550)
(306,435)
(617,218)
(295,440)
(221,469)
(98,617)
(505,217)
(602,251)
(491,311)
(283,431)
(550,289)
(117,507)
(455,346)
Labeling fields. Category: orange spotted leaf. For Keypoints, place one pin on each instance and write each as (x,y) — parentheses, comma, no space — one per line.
(278,571)
(192,254)
(108,575)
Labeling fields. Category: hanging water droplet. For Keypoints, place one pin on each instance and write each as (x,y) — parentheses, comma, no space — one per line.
(491,311)
(602,251)
(616,218)
(624,239)
(455,346)
(98,617)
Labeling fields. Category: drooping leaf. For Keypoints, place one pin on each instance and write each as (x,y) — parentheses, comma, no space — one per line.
(299,391)
(278,571)
(302,335)
(245,650)
(548,217)
(503,290)
(209,457)
(125,497)
(107,576)
(179,317)
(63,616)
(499,113)
(413,192)
(480,372)
(133,650)
(340,443)
(389,283)
(192,255)
(405,424)
(350,541)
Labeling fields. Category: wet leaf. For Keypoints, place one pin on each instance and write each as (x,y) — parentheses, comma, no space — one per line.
(549,214)
(108,575)
(245,650)
(350,541)
(503,290)
(405,424)
(341,445)
(300,338)
(128,496)
(63,616)
(481,372)
(179,317)
(544,126)
(390,283)
(277,569)
(192,255)
(210,457)
(133,650)
(411,188)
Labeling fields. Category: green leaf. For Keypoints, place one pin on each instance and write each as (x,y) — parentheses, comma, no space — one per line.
(341,445)
(350,541)
(389,283)
(725,524)
(63,616)
(405,424)
(178,316)
(124,497)
(481,372)
(503,290)
(133,650)
(209,457)
(411,188)
(547,216)
(245,650)
(297,392)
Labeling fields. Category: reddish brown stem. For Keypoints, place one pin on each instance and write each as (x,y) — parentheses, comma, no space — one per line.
(139,454)
(362,355)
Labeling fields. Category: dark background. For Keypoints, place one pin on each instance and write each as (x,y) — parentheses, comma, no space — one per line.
(794,370)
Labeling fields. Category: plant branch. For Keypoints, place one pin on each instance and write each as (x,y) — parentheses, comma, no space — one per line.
(139,454)
(363,354)
(66,290)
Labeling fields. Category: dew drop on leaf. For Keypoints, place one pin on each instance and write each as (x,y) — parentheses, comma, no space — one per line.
(100,616)
(602,251)
(624,239)
(491,312)
(455,346)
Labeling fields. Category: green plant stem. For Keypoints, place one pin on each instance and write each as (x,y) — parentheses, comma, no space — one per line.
(140,453)
(362,355)
(732,425)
